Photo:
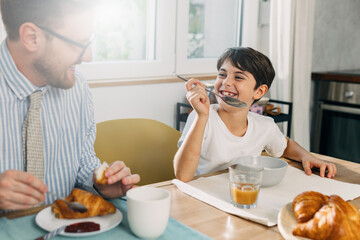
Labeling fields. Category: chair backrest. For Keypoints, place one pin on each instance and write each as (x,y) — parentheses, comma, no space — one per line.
(146,146)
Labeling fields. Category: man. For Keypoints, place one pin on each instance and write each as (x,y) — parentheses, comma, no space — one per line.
(45,41)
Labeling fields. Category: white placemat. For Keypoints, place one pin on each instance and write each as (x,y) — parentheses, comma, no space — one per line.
(215,191)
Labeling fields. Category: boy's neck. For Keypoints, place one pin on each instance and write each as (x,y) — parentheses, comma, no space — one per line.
(235,121)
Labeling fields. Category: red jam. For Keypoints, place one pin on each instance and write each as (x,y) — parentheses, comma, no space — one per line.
(82,227)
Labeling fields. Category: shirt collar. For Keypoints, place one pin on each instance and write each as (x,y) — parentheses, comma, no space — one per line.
(18,83)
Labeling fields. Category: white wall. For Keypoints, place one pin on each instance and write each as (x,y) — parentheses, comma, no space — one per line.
(154,101)
(336,35)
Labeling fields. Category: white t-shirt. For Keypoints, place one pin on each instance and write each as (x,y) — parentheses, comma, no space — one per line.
(220,147)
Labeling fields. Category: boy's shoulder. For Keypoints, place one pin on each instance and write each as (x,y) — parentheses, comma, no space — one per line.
(260,118)
(261,123)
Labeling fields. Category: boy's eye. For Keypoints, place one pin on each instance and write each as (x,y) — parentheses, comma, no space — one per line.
(239,77)
(221,75)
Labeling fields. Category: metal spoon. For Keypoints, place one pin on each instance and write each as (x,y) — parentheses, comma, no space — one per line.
(75,206)
(228,100)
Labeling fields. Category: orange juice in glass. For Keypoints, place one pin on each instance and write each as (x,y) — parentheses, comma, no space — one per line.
(245,183)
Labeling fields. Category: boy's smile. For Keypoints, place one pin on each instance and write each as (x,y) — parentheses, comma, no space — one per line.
(228,93)
(236,83)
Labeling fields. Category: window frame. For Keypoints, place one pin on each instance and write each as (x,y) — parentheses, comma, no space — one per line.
(185,65)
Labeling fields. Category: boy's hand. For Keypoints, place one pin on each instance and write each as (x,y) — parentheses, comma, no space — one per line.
(314,162)
(197,97)
(295,152)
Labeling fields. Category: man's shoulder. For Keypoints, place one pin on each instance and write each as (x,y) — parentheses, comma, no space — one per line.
(80,78)
(81,85)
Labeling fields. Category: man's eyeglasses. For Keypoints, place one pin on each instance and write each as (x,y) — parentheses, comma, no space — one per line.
(68,40)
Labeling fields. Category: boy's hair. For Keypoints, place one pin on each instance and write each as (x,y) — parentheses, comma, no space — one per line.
(250,60)
(45,13)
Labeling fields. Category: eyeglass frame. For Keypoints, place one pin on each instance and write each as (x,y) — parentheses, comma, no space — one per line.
(68,40)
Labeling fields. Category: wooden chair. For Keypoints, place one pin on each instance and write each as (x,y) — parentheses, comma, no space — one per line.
(146,146)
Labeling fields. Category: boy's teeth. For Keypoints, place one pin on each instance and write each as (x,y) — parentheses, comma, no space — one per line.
(228,94)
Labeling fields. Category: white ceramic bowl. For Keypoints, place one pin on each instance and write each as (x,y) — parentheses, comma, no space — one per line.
(274,168)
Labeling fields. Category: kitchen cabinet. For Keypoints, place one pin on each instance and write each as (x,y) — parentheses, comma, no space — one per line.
(336,125)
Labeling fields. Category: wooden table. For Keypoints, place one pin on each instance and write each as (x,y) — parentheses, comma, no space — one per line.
(220,225)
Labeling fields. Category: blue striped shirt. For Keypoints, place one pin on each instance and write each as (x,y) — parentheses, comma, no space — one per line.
(68,124)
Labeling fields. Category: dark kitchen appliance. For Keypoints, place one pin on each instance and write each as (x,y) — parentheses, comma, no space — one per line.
(337,123)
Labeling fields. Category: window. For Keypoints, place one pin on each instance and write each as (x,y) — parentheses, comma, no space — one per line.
(205,29)
(208,35)
(135,38)
(146,38)
(158,38)
(125,30)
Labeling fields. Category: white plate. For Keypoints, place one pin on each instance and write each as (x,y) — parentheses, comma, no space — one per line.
(286,222)
(47,221)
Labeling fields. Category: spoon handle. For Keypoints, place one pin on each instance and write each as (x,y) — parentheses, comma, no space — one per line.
(182,78)
(75,206)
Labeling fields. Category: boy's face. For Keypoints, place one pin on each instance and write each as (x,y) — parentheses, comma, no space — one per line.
(239,84)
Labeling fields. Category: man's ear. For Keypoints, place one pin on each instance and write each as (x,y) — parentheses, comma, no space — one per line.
(260,91)
(30,36)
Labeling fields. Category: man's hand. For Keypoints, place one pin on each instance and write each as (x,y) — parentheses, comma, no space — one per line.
(120,180)
(20,190)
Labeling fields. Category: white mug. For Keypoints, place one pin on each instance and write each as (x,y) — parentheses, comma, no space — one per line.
(148,210)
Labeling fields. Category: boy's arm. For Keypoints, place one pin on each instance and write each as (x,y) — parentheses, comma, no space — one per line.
(295,152)
(186,159)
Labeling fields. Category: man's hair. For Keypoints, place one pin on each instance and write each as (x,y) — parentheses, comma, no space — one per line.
(250,60)
(46,13)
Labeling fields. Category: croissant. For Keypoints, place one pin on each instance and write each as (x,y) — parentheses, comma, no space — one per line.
(336,219)
(100,174)
(306,204)
(95,204)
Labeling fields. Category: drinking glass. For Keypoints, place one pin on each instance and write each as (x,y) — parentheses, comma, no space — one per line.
(245,183)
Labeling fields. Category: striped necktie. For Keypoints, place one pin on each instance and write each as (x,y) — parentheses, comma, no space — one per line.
(33,138)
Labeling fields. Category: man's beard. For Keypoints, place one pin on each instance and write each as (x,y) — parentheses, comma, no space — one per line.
(57,79)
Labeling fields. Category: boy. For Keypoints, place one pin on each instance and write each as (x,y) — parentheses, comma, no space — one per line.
(218,133)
